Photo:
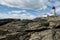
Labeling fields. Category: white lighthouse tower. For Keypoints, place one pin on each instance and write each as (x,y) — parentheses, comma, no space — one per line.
(53,11)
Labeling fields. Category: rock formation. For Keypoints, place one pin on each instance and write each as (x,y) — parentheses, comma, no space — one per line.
(36,29)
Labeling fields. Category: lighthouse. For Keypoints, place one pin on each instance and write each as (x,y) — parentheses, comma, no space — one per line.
(53,11)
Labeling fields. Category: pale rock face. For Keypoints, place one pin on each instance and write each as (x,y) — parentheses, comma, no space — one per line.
(42,34)
(45,35)
(34,25)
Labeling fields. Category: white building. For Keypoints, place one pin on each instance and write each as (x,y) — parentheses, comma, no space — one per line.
(45,15)
(53,13)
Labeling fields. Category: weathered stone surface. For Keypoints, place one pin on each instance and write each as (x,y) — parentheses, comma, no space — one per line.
(36,29)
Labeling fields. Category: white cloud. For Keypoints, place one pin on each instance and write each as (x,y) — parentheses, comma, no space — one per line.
(57,3)
(8,15)
(17,11)
(17,16)
(58,10)
(33,4)
(13,12)
(27,16)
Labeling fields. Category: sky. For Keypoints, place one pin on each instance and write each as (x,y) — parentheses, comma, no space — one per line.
(27,9)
